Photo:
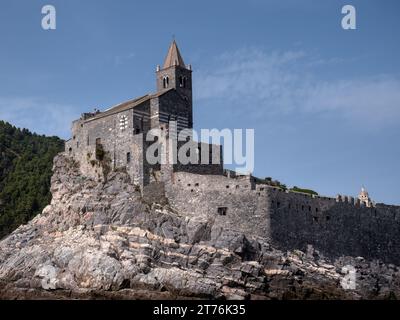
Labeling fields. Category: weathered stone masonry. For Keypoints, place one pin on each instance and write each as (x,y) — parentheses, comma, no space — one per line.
(291,220)
(120,131)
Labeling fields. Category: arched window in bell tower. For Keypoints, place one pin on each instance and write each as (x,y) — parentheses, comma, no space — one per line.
(165,82)
(182,82)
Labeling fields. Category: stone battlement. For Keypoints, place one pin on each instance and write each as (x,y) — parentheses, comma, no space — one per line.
(291,220)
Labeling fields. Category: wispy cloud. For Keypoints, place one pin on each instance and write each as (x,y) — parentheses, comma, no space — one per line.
(121,59)
(290,82)
(38,116)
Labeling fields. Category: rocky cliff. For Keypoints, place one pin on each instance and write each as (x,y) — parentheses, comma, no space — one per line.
(103,240)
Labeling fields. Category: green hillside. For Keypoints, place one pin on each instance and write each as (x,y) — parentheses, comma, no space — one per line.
(25,171)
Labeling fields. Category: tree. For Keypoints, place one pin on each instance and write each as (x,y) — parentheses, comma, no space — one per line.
(25,171)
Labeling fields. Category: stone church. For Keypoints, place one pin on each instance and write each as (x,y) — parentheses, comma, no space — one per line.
(120,132)
(113,140)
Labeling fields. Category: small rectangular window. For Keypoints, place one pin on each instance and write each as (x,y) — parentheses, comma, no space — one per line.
(128,157)
(222,211)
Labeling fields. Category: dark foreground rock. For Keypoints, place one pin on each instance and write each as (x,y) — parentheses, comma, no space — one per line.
(104,241)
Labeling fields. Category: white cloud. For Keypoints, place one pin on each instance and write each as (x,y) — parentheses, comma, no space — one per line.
(373,100)
(121,59)
(288,82)
(38,116)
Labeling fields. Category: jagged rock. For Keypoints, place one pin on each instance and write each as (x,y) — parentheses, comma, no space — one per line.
(48,274)
(103,239)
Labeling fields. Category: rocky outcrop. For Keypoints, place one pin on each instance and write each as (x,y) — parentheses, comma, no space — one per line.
(103,240)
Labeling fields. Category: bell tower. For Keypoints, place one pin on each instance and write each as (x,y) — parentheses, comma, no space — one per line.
(176,75)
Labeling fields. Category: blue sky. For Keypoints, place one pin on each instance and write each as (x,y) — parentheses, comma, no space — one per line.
(324,102)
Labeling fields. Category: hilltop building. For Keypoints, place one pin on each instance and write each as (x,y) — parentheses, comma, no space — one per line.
(364,198)
(118,135)
(115,140)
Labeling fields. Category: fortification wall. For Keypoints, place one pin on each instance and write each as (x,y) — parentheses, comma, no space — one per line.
(291,220)
(334,227)
(234,202)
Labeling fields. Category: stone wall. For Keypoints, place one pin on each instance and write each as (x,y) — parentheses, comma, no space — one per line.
(233,202)
(122,133)
(335,228)
(120,139)
(290,220)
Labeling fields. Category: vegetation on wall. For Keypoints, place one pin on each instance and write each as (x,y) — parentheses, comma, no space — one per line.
(102,160)
(276,183)
(273,183)
(297,189)
(26,161)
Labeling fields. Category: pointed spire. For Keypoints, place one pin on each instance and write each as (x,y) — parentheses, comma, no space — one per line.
(174,57)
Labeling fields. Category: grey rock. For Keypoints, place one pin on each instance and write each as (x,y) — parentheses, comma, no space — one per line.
(104,238)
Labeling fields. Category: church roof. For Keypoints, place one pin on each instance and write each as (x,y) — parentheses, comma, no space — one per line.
(173,57)
(128,105)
